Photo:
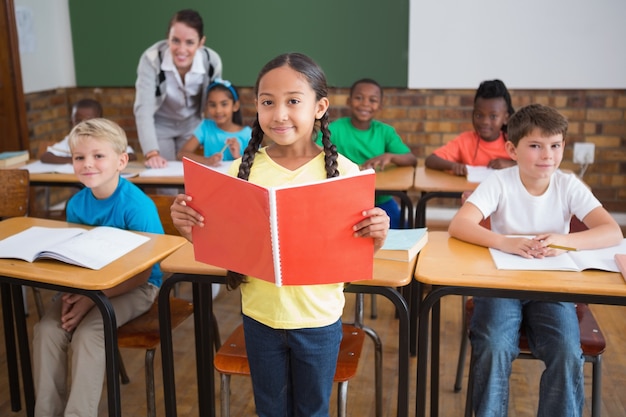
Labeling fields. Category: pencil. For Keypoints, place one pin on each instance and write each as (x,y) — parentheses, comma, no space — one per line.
(561,247)
(224,148)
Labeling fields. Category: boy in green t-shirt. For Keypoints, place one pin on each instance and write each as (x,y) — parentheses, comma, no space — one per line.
(369,142)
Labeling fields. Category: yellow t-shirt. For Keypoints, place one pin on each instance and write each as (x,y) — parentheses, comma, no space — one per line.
(291,307)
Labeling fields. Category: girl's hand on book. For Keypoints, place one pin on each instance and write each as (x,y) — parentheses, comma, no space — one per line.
(185,217)
(375,225)
(74,308)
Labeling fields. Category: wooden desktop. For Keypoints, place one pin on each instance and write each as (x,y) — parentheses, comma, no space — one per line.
(388,275)
(451,266)
(59,276)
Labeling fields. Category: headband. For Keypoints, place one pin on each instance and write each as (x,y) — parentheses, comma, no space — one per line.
(225,83)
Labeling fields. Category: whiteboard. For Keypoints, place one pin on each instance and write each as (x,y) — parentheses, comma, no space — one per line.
(533,44)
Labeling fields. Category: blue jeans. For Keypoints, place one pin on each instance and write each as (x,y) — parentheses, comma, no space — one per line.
(292,370)
(553,336)
(392,209)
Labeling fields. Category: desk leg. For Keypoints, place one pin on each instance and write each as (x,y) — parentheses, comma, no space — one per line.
(22,338)
(167,356)
(110,349)
(203,327)
(11,350)
(203,308)
(403,339)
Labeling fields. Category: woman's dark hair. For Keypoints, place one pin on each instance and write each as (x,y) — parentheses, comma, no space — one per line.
(237,116)
(190,18)
(495,89)
(317,80)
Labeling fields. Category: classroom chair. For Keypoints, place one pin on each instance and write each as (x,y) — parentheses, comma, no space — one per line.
(592,343)
(231,359)
(592,340)
(15,192)
(143,332)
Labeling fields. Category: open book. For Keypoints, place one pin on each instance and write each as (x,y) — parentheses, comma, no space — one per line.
(603,259)
(403,244)
(620,260)
(477,173)
(290,235)
(89,248)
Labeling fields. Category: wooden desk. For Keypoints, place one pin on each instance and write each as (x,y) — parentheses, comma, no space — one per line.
(433,183)
(389,275)
(398,181)
(455,267)
(59,276)
(135,167)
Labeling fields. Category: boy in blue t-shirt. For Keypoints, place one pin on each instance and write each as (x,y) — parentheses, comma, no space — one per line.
(98,149)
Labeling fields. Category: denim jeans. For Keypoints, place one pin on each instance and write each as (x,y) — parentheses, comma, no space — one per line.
(292,370)
(553,336)
(392,209)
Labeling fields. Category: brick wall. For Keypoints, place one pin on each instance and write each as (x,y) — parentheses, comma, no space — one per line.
(424,118)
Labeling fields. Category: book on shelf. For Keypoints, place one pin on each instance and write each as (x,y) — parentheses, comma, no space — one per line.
(11,158)
(288,235)
(620,261)
(403,244)
(579,260)
(89,248)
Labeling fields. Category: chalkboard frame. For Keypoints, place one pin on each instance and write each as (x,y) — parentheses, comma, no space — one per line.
(350,39)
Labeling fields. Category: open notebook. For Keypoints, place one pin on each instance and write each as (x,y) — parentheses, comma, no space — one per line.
(603,259)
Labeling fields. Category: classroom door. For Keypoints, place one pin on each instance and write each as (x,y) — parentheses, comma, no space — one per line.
(13,126)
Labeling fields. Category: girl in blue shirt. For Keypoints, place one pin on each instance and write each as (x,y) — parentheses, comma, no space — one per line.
(222,134)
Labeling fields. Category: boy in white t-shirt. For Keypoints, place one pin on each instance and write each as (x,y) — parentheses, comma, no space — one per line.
(84,109)
(532,198)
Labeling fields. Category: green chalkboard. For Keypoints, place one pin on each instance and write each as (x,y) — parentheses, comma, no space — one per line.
(350,39)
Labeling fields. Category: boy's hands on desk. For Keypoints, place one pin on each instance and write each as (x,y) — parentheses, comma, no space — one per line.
(375,225)
(378,163)
(73,308)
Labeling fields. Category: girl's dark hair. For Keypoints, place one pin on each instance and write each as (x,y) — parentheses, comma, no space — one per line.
(237,117)
(190,18)
(317,80)
(495,89)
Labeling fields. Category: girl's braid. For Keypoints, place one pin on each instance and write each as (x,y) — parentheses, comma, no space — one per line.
(253,146)
(330,150)
(235,279)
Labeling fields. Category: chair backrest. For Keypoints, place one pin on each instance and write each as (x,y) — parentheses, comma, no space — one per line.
(163,204)
(15,191)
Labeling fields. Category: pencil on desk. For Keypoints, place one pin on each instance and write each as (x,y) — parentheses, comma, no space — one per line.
(562,247)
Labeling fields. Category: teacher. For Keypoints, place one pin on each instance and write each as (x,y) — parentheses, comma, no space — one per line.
(172,76)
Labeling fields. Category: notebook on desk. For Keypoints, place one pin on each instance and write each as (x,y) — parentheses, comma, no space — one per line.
(620,260)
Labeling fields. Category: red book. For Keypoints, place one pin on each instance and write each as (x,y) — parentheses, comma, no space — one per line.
(620,260)
(290,235)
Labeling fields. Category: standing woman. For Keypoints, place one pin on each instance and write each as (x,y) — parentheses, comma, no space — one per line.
(172,77)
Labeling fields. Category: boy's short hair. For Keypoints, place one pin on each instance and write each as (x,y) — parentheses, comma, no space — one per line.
(88,103)
(536,116)
(366,81)
(100,129)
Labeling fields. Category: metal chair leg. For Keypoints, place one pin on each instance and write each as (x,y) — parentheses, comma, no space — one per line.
(150,396)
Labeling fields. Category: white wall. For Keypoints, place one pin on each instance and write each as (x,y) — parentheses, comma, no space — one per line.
(46,53)
(532,44)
